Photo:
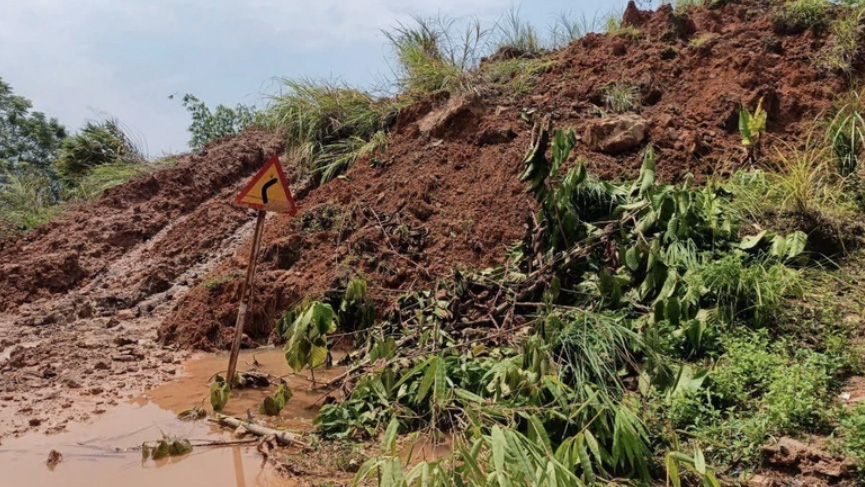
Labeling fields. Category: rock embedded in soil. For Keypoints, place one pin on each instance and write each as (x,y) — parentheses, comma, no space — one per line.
(616,134)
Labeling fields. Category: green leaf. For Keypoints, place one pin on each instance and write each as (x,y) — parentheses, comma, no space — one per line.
(752,241)
(388,443)
(497,440)
(219,394)
(179,447)
(632,259)
(796,244)
(699,461)
(673,471)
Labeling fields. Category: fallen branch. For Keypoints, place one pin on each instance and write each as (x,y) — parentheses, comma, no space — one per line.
(282,437)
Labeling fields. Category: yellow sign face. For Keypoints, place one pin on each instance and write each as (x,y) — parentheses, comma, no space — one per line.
(268,190)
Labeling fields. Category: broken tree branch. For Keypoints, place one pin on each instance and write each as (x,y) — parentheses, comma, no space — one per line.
(282,437)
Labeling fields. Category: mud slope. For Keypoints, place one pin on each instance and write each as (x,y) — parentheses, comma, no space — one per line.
(81,244)
(446,191)
(85,294)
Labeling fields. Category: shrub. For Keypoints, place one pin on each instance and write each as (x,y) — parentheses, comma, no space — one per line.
(852,433)
(800,15)
(328,125)
(222,121)
(96,144)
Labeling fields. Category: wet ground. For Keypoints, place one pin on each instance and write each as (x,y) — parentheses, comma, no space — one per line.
(105,451)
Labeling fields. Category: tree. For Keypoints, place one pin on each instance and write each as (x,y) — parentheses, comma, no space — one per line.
(214,124)
(27,139)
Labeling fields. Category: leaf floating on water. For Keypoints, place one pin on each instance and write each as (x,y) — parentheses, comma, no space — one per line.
(161,450)
(166,447)
(179,447)
(192,414)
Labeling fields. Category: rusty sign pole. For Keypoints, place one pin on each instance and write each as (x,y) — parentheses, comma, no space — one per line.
(245,293)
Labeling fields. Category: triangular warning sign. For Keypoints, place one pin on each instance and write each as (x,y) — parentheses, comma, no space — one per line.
(268,190)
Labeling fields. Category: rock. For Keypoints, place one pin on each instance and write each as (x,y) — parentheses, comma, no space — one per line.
(758,480)
(101,365)
(810,460)
(633,16)
(85,310)
(96,390)
(112,322)
(35,422)
(495,135)
(460,112)
(422,210)
(126,314)
(123,341)
(616,134)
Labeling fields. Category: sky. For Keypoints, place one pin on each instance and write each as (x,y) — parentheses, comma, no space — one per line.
(81,60)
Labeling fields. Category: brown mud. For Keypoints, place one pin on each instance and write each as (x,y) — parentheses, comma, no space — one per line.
(105,451)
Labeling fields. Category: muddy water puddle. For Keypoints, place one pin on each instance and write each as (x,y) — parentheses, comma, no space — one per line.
(105,453)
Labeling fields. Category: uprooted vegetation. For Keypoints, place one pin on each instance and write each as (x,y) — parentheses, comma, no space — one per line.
(633,331)
(658,294)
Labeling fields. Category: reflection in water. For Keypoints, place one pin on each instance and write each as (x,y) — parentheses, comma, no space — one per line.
(105,453)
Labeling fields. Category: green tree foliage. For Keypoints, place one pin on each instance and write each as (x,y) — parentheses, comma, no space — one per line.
(27,139)
(97,144)
(222,121)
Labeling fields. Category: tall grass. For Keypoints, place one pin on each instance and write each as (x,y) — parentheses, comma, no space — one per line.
(27,200)
(102,178)
(326,124)
(845,131)
(799,15)
(567,28)
(621,97)
(515,33)
(803,179)
(436,53)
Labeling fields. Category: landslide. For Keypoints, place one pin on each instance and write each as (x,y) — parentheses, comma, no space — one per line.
(194,199)
(446,192)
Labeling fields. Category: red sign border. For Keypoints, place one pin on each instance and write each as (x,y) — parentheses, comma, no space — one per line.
(282,180)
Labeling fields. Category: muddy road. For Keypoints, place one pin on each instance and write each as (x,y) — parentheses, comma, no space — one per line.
(106,449)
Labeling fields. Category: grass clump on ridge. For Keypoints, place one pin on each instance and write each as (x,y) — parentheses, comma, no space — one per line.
(434,54)
(327,125)
(27,200)
(845,44)
(800,15)
(621,97)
